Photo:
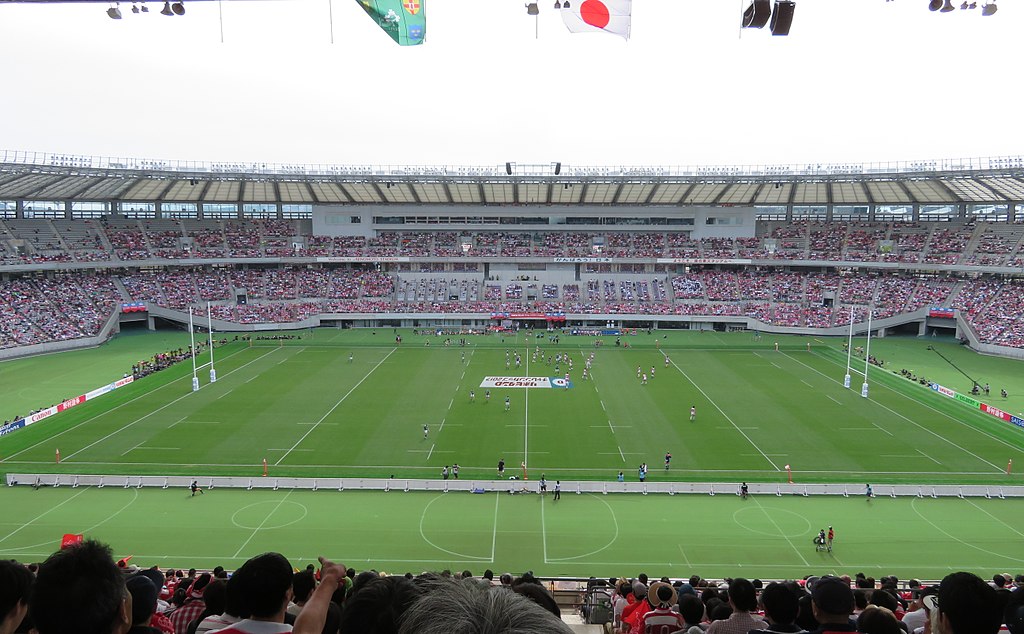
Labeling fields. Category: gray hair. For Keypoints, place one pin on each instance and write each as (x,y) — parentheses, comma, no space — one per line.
(456,607)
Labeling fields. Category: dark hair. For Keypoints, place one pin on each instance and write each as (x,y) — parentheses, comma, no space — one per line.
(805,617)
(489,574)
(539,595)
(303,584)
(780,603)
(264,581)
(78,589)
(743,595)
(969,604)
(860,598)
(691,608)
(378,606)
(721,612)
(234,599)
(878,620)
(215,597)
(1013,614)
(15,587)
(884,599)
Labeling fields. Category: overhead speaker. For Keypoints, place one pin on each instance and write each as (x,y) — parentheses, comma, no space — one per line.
(757,14)
(558,169)
(782,17)
(508,168)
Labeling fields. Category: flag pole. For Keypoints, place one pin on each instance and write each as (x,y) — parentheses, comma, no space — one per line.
(849,352)
(209,324)
(867,355)
(192,338)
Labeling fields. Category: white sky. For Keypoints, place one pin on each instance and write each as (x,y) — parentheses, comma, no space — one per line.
(857,80)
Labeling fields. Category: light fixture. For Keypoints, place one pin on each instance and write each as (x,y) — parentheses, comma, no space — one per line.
(757,14)
(565,5)
(989,9)
(135,8)
(167,9)
(946,8)
(145,9)
(558,5)
(963,7)
(934,5)
(114,13)
(782,17)
(178,8)
(532,9)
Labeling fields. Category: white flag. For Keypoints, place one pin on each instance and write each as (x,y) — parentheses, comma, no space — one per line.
(610,16)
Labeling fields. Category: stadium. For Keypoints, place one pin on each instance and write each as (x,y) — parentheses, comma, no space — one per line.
(582,371)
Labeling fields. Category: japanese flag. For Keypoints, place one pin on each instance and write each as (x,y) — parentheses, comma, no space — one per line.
(610,16)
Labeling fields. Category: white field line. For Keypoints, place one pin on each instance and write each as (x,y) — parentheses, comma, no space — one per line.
(257,529)
(880,428)
(310,430)
(727,417)
(526,430)
(912,422)
(940,412)
(494,532)
(781,532)
(104,413)
(43,514)
(142,418)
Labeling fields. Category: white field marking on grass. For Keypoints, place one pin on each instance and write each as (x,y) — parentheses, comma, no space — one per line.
(1009,526)
(450,403)
(776,365)
(686,560)
(777,455)
(494,531)
(252,378)
(431,452)
(898,455)
(44,513)
(940,412)
(615,537)
(285,449)
(602,405)
(611,427)
(442,424)
(915,423)
(543,528)
(423,536)
(142,418)
(806,383)
(334,407)
(928,457)
(572,469)
(913,506)
(781,532)
(103,413)
(199,422)
(880,428)
(713,403)
(833,400)
(178,421)
(622,454)
(128,451)
(224,394)
(89,530)
(526,420)
(856,429)
(257,529)
(161,448)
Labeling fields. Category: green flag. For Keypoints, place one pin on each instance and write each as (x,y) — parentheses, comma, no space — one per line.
(404,20)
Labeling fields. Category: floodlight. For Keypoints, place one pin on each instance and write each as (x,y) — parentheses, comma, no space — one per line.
(167,9)
(114,13)
(558,5)
(178,8)
(565,5)
(135,8)
(989,9)
(532,9)
(145,9)
(947,7)
(934,5)
(963,7)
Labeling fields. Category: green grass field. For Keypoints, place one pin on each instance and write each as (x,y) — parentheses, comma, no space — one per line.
(309,411)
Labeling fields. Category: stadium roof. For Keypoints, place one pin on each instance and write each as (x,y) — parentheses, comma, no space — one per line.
(42,176)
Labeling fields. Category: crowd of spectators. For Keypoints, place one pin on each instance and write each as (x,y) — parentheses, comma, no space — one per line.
(266,594)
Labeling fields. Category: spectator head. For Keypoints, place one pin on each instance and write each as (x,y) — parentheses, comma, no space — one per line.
(506,579)
(832,600)
(998,580)
(303,584)
(878,620)
(720,612)
(662,594)
(742,595)
(199,585)
(884,599)
(215,596)
(967,605)
(642,578)
(539,595)
(144,596)
(489,574)
(691,608)
(266,585)
(639,590)
(470,608)
(780,604)
(379,605)
(1013,616)
(15,585)
(80,589)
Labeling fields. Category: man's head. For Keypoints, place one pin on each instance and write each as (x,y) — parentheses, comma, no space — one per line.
(266,585)
(144,595)
(742,595)
(780,604)
(80,589)
(15,585)
(832,600)
(303,584)
(967,605)
(878,620)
